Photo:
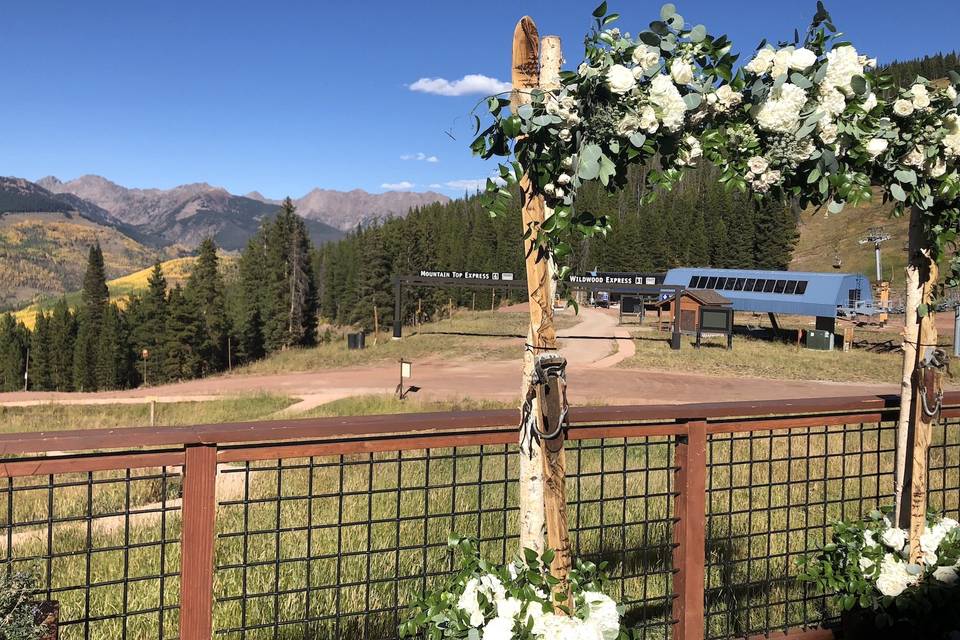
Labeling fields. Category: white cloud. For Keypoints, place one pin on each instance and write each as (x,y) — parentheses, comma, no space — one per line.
(397,186)
(472,83)
(473,184)
(422,157)
(435,185)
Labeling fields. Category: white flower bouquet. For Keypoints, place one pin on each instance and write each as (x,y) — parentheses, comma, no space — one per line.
(866,568)
(512,602)
(797,109)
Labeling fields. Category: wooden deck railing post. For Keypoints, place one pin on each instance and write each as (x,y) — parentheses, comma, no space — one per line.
(196,553)
(689,532)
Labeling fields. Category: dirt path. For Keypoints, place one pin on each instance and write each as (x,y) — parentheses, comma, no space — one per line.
(592,379)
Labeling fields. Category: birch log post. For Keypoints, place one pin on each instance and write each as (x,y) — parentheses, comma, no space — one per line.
(914,425)
(543,501)
(526,76)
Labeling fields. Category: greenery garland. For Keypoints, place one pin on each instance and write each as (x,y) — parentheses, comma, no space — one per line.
(805,120)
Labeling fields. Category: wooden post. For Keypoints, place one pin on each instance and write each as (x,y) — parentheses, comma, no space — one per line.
(199,530)
(913,428)
(526,76)
(689,532)
(473,305)
(153,412)
(419,313)
(376,324)
(530,71)
(493,299)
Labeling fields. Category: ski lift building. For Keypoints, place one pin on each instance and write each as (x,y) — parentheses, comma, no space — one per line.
(821,295)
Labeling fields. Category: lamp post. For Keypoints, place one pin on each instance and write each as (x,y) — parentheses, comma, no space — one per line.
(144,355)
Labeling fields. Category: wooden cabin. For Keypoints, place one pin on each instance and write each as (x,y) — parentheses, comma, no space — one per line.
(690,303)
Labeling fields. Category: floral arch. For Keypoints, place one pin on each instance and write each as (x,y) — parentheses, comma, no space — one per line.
(810,120)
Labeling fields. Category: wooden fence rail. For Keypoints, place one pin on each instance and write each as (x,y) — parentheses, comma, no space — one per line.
(717,452)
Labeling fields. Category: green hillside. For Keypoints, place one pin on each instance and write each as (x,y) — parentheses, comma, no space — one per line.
(44,254)
(824,237)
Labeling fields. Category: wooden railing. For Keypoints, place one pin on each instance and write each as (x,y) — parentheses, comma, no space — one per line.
(328,527)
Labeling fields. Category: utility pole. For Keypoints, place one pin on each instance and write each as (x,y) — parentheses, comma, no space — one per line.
(876,235)
(26,371)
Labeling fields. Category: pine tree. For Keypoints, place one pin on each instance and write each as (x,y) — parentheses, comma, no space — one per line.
(111,352)
(205,288)
(776,235)
(13,353)
(41,355)
(374,282)
(249,321)
(63,336)
(290,307)
(93,302)
(183,338)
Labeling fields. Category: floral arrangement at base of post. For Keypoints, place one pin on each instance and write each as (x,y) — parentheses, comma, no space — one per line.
(866,568)
(512,602)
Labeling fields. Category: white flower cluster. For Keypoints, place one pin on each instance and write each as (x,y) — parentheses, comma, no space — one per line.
(780,113)
(761,177)
(895,573)
(601,620)
(724,99)
(564,108)
(668,101)
(843,63)
(778,62)
(951,142)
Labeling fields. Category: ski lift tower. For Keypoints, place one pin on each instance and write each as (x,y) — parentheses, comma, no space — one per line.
(876,235)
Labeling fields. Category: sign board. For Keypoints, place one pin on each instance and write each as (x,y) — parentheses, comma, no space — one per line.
(716,320)
(616,278)
(406,369)
(466,275)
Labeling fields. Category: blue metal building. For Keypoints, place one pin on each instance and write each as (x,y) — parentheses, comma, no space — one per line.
(787,292)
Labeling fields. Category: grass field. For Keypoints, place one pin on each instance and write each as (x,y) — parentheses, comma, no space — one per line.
(58,417)
(439,339)
(306,538)
(762,358)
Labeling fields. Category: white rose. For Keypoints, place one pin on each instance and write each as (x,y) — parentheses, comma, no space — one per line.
(802,59)
(602,612)
(951,92)
(646,56)
(946,575)
(648,119)
(664,96)
(771,177)
(498,629)
(761,62)
(870,102)
(567,162)
(875,147)
(758,164)
(558,193)
(914,158)
(828,132)
(948,524)
(951,145)
(903,107)
(871,63)
(894,538)
(921,99)
(868,539)
(681,71)
(620,79)
(728,97)
(781,62)
(564,179)
(509,607)
(918,90)
(468,602)
(894,577)
(564,135)
(865,564)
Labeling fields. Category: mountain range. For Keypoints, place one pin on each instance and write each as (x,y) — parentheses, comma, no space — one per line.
(47,226)
(186,214)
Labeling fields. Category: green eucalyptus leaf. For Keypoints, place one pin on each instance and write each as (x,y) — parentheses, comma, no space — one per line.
(698,33)
(649,38)
(600,11)
(638,139)
(668,10)
(692,100)
(897,192)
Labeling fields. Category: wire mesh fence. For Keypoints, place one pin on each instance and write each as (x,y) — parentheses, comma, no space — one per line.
(334,538)
(105,544)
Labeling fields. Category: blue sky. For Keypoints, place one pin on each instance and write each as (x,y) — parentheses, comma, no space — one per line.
(286,96)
